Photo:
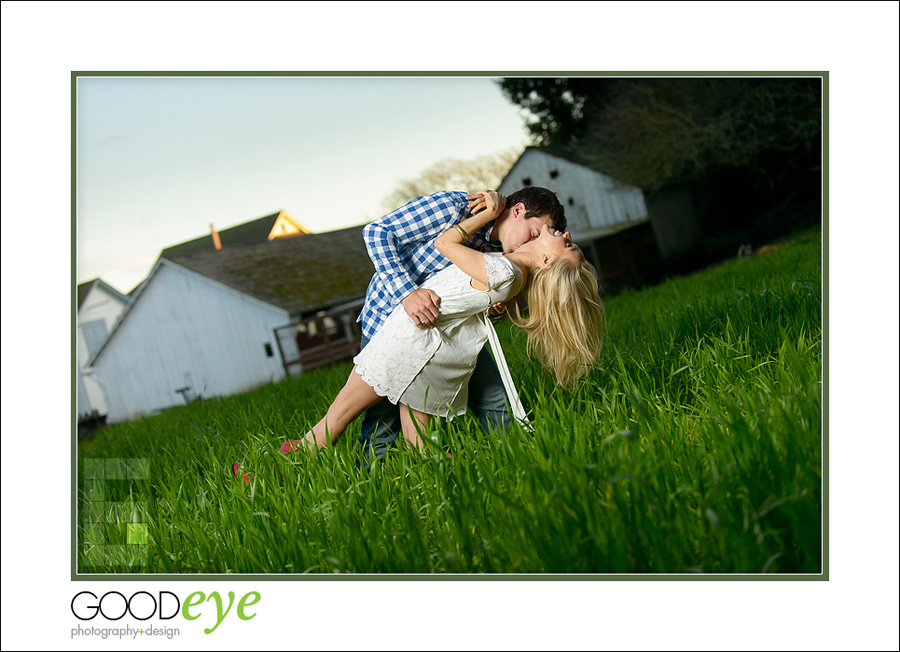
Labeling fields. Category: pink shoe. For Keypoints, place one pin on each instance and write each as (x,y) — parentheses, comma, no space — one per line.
(241,475)
(290,446)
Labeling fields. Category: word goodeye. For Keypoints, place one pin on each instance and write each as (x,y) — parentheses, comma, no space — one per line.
(142,605)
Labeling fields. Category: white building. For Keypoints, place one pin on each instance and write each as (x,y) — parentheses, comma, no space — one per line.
(631,239)
(596,205)
(203,322)
(99,306)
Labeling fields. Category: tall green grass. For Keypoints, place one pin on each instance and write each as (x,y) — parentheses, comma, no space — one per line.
(694,446)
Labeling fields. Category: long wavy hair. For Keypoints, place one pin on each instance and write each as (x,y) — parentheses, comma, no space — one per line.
(565,321)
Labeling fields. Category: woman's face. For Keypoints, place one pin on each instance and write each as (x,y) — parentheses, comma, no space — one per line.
(553,244)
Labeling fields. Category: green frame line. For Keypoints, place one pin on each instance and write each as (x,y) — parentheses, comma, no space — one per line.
(76,576)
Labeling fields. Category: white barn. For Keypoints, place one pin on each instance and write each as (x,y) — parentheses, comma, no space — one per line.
(630,238)
(98,307)
(203,322)
(596,205)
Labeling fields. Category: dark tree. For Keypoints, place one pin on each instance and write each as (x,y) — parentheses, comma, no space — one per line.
(750,148)
(656,132)
(556,105)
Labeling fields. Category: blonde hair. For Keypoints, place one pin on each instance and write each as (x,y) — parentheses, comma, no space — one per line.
(566,321)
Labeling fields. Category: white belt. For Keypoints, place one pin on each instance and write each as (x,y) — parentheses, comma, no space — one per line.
(514,403)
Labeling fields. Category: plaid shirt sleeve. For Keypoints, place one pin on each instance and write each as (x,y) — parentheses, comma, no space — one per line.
(389,238)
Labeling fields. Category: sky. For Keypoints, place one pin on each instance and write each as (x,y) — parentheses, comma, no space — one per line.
(159,159)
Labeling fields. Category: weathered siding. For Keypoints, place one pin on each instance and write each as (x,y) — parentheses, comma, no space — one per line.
(98,305)
(185,330)
(595,204)
(84,404)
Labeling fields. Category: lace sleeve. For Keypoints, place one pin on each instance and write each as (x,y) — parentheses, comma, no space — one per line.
(499,271)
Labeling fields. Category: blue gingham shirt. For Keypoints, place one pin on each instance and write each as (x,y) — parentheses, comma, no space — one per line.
(401,245)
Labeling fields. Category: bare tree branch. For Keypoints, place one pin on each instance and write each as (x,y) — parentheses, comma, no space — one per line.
(480,173)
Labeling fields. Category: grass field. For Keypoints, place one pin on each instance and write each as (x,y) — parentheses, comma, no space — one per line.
(694,447)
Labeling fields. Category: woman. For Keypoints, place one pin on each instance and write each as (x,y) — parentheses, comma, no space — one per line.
(427,371)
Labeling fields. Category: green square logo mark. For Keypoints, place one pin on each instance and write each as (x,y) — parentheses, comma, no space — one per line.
(128,542)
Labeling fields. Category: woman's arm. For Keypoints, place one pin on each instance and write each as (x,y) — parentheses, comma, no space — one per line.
(450,242)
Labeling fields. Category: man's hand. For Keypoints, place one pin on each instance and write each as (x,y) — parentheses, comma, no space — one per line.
(422,306)
(497,309)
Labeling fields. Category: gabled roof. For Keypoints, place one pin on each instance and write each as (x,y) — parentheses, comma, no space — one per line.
(564,152)
(253,232)
(597,204)
(84,289)
(573,155)
(299,275)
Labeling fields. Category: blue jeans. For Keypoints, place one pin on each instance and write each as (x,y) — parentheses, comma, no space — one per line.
(487,400)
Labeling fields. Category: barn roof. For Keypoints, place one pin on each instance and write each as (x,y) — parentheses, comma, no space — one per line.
(253,232)
(85,288)
(564,152)
(573,155)
(299,275)
(597,205)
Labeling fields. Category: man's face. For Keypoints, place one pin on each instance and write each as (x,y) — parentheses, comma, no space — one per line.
(521,230)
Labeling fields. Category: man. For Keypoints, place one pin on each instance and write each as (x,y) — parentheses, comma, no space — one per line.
(401,245)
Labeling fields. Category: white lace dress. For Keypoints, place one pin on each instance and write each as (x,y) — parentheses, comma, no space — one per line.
(429,370)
